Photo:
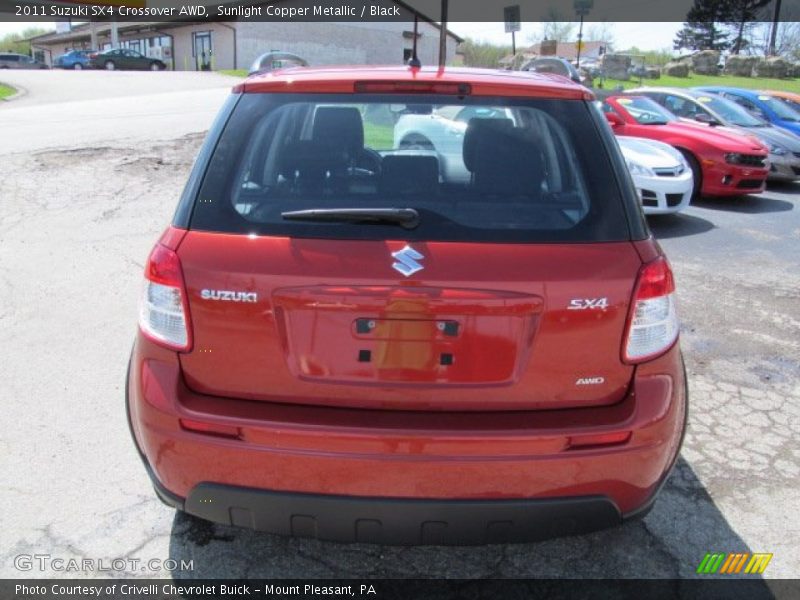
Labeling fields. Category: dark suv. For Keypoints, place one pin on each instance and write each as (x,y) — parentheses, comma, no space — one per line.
(339,338)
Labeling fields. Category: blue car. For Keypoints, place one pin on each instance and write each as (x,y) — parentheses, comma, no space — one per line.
(74,59)
(761,105)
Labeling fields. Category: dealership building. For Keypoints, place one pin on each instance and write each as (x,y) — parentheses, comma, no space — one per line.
(235,44)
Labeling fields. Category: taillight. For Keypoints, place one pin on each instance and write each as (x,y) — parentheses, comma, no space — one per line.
(164,313)
(653,322)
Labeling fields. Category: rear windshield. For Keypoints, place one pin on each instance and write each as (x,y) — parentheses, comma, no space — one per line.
(473,169)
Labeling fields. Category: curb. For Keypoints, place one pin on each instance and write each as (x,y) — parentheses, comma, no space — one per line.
(20,92)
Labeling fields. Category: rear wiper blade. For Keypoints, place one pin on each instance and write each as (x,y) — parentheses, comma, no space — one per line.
(407,218)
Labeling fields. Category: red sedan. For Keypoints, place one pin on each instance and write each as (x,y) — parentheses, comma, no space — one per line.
(723,163)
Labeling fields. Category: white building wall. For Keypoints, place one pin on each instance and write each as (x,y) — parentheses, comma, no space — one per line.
(358,43)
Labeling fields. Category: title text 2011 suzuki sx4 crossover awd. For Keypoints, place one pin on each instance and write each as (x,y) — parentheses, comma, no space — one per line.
(343,337)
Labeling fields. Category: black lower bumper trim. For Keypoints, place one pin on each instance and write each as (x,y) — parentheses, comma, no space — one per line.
(401,521)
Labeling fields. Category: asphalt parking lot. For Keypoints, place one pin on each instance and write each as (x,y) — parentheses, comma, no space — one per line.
(86,187)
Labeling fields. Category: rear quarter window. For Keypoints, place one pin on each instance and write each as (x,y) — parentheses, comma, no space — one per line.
(475,169)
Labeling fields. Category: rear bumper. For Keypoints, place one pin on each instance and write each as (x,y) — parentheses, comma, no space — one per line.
(406,478)
(401,521)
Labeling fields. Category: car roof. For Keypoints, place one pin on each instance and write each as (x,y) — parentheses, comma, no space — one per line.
(484,82)
(614,94)
(725,88)
(688,92)
(781,94)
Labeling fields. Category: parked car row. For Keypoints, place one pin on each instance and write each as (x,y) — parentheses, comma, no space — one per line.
(732,140)
(110,60)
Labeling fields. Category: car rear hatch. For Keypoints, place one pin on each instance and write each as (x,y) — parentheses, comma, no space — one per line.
(480,328)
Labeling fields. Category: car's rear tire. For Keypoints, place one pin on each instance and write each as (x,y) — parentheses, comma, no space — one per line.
(109,65)
(154,66)
(77,67)
(697,173)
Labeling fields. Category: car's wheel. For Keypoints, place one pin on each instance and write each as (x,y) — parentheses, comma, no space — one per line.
(697,173)
(109,65)
(416,142)
(154,66)
(77,66)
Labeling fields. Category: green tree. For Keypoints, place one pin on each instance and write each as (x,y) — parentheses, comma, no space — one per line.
(16,42)
(482,54)
(703,28)
(601,31)
(746,12)
(556,26)
(651,57)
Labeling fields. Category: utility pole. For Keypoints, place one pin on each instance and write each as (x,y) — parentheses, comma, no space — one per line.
(443,36)
(773,36)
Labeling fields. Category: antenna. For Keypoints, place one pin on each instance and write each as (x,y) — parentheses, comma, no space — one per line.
(414,61)
(443,36)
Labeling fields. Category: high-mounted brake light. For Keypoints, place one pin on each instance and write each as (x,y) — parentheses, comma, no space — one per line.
(653,321)
(164,312)
(412,87)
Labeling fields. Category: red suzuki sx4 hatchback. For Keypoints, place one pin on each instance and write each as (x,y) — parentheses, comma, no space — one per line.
(408,306)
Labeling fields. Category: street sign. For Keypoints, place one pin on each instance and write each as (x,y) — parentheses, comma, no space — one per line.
(512,18)
(582,7)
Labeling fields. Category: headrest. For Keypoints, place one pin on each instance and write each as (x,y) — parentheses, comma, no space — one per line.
(501,159)
(309,157)
(409,174)
(339,125)
(492,132)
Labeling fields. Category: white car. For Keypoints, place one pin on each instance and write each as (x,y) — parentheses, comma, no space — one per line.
(662,177)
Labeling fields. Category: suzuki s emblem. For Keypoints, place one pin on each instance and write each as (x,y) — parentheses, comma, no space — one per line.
(407,259)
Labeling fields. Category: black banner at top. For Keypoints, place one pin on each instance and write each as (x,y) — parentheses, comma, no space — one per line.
(288,11)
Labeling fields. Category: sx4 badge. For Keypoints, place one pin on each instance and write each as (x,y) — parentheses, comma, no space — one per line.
(588,304)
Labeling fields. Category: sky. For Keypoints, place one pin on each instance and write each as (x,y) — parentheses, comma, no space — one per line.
(645,36)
